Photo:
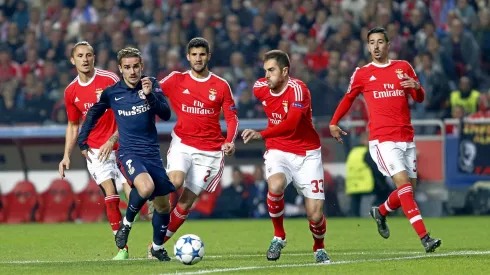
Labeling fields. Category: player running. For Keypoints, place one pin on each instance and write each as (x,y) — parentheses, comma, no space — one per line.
(80,95)
(293,151)
(135,102)
(386,85)
(196,153)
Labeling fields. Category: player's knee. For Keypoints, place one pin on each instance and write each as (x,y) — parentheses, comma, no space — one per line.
(177,179)
(146,189)
(108,187)
(276,185)
(314,211)
(401,178)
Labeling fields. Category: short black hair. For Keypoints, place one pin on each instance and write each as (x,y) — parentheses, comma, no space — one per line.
(198,42)
(378,30)
(127,53)
(81,43)
(281,58)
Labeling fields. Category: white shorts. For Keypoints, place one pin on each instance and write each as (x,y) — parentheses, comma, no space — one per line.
(394,157)
(306,172)
(102,171)
(203,169)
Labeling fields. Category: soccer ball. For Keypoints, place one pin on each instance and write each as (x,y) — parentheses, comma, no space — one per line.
(189,249)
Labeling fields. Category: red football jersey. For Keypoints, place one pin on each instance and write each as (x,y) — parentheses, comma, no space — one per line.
(387,100)
(198,103)
(80,97)
(276,106)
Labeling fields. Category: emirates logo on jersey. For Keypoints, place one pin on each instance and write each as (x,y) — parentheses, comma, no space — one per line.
(98,92)
(285,105)
(212,94)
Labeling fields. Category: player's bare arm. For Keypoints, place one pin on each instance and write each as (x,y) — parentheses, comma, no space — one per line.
(249,134)
(106,149)
(70,140)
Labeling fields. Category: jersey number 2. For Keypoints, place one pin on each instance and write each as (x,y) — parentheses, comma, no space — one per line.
(207,175)
(317,186)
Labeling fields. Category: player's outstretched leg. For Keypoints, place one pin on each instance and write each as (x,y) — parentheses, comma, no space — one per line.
(412,211)
(114,216)
(137,198)
(160,221)
(275,204)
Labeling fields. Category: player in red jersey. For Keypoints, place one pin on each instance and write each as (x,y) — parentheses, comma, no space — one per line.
(386,85)
(82,93)
(293,151)
(196,153)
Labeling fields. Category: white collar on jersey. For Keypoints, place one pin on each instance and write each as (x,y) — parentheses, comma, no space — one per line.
(200,79)
(283,90)
(381,65)
(89,81)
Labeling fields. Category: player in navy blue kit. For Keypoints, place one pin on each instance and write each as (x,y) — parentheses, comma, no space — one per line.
(135,102)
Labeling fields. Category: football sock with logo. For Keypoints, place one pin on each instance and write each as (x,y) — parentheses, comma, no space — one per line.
(411,210)
(135,204)
(275,205)
(318,230)
(391,204)
(160,223)
(112,210)
(177,218)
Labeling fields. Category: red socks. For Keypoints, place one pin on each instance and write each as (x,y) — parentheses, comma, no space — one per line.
(391,204)
(177,218)
(411,210)
(112,210)
(318,230)
(275,205)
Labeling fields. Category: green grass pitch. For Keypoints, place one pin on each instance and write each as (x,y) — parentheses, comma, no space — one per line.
(239,246)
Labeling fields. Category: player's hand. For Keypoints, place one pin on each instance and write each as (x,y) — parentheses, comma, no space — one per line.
(65,163)
(337,133)
(147,85)
(229,148)
(409,82)
(85,154)
(105,151)
(249,134)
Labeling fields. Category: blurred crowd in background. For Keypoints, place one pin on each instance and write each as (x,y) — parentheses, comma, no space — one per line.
(446,41)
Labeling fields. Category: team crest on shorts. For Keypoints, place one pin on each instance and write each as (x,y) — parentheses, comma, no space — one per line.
(285,105)
(98,92)
(212,94)
(392,167)
(141,94)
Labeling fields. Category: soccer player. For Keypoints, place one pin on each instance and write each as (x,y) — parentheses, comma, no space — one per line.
(386,85)
(135,102)
(293,151)
(196,153)
(80,95)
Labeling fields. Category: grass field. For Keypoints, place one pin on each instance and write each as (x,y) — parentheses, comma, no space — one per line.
(238,247)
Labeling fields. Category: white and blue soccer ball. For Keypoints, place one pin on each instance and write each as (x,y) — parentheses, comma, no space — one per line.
(189,249)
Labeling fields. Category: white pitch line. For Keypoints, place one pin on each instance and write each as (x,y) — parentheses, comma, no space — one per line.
(213,257)
(242,268)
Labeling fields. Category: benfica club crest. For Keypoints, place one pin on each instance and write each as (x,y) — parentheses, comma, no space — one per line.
(400,74)
(212,94)
(141,94)
(285,105)
(98,92)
